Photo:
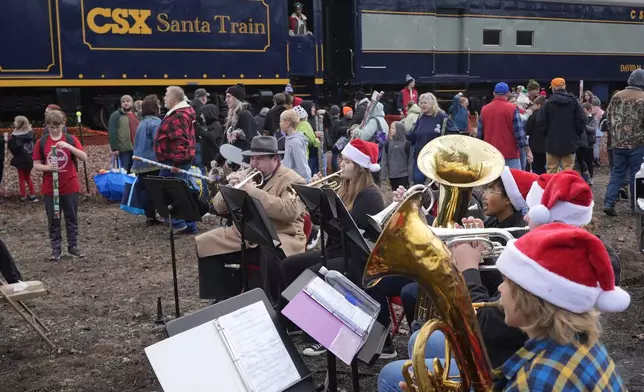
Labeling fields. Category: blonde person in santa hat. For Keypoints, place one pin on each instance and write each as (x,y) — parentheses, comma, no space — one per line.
(557,280)
(504,202)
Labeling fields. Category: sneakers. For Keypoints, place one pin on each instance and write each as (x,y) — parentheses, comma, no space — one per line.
(314,350)
(30,198)
(388,351)
(74,252)
(55,255)
(314,237)
(153,221)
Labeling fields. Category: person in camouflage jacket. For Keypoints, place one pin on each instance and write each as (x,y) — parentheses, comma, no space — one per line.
(625,115)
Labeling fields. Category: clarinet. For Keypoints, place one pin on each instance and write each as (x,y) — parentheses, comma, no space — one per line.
(319,127)
(55,187)
(186,172)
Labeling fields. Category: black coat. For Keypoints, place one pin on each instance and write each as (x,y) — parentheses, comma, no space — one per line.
(272,121)
(536,132)
(211,135)
(564,121)
(22,148)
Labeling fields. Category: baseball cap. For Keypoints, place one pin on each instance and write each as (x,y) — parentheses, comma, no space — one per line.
(558,83)
(201,92)
(501,88)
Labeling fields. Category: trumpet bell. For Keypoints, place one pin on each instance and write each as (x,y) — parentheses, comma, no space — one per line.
(460,161)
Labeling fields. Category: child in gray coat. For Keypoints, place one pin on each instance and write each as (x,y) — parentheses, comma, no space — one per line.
(396,156)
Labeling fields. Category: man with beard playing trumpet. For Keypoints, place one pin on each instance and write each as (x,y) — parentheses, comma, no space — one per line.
(222,246)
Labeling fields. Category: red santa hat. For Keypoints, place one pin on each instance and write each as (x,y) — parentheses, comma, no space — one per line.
(517,184)
(564,196)
(565,266)
(363,153)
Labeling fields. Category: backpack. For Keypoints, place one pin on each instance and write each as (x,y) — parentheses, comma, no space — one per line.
(41,145)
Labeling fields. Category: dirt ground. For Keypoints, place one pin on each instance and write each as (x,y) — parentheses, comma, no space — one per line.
(100,309)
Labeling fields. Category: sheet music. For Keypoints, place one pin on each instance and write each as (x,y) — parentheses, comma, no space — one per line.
(257,348)
(354,317)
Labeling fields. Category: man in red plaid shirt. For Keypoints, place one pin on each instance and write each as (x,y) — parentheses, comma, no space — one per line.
(175,143)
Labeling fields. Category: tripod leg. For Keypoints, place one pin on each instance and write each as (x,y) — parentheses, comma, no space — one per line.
(331,372)
(355,375)
(177,313)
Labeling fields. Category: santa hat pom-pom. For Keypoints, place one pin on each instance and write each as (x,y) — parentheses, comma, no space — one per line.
(539,214)
(374,167)
(616,300)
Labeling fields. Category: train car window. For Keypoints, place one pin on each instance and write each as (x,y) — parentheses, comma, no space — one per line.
(525,38)
(492,37)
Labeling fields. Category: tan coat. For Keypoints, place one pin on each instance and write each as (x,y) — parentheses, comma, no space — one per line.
(284,211)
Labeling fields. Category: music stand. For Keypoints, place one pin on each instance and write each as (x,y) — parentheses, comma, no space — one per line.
(219,309)
(250,219)
(172,198)
(348,229)
(322,212)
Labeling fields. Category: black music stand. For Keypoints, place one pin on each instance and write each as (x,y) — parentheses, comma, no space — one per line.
(219,309)
(172,198)
(323,213)
(250,219)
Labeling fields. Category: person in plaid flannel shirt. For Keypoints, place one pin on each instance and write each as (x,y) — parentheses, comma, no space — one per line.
(175,143)
(557,278)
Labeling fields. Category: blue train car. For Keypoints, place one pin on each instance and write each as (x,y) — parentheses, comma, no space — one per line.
(472,43)
(98,49)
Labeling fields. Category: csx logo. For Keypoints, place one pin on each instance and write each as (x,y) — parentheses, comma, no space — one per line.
(118,21)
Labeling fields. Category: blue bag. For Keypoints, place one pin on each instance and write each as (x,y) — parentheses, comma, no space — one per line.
(111,184)
(134,196)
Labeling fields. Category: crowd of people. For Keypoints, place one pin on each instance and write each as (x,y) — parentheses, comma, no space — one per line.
(551,282)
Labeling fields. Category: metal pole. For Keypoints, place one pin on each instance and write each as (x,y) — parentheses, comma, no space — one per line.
(80,135)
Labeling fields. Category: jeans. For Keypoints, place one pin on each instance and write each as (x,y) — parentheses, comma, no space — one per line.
(523,158)
(391,374)
(69,210)
(178,224)
(513,163)
(126,160)
(624,160)
(409,296)
(390,286)
(314,164)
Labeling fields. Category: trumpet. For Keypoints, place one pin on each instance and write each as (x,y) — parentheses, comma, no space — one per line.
(251,175)
(493,249)
(379,220)
(335,184)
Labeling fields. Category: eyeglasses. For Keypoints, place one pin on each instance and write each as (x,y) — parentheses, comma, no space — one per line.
(55,126)
(492,191)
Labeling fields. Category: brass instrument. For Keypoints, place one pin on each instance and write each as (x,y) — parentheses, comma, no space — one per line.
(407,246)
(457,163)
(251,175)
(335,184)
(493,248)
(378,220)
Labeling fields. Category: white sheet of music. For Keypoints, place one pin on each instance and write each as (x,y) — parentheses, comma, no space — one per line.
(196,360)
(263,359)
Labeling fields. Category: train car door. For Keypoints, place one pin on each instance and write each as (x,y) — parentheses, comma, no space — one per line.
(302,49)
(453,47)
(339,24)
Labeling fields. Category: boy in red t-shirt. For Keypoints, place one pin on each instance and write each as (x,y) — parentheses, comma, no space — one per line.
(68,184)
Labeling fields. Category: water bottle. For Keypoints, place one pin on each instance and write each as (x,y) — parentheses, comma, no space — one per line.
(351,292)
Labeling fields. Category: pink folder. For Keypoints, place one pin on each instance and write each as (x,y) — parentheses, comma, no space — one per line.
(323,326)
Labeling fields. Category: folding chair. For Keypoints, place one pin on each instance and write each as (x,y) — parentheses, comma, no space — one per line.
(396,319)
(34,289)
